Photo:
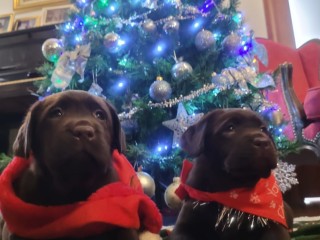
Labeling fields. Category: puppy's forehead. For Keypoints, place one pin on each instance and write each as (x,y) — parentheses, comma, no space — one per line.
(241,115)
(74,97)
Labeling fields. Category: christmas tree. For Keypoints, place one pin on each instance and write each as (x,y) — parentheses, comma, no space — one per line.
(162,64)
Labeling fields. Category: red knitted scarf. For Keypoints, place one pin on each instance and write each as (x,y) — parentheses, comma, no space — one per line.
(116,204)
(263,200)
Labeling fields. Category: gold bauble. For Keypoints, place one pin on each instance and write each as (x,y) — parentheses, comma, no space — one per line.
(147,183)
(171,199)
(276,117)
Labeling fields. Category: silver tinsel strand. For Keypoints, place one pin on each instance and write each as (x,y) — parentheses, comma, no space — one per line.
(233,218)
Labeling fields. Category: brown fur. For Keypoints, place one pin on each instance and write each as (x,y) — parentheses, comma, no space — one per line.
(232,149)
(71,137)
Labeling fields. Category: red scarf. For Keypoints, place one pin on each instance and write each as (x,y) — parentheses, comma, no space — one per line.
(115,204)
(264,199)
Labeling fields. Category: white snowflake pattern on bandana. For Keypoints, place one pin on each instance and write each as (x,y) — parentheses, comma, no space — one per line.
(234,195)
(254,198)
(273,205)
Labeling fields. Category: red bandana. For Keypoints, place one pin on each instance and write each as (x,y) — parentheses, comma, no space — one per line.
(264,199)
(115,204)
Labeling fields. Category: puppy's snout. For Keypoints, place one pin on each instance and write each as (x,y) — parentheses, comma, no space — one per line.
(83,132)
(261,142)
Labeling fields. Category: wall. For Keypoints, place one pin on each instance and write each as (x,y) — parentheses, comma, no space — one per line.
(251,9)
(7,7)
(305,18)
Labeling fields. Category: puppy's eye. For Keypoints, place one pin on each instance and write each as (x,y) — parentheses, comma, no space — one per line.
(263,129)
(231,128)
(56,112)
(100,114)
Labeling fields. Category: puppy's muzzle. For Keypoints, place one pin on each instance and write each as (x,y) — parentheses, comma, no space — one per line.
(261,142)
(83,132)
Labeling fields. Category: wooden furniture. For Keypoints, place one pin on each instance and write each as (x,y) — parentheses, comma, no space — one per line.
(20,55)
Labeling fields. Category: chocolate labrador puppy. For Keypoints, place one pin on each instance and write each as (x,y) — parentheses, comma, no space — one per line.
(234,154)
(71,137)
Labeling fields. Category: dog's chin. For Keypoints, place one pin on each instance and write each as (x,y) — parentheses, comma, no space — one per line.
(249,176)
(80,168)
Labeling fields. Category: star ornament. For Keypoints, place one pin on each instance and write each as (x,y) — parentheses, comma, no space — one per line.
(180,124)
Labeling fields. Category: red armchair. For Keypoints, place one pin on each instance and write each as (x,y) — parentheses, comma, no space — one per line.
(298,95)
(305,61)
(304,100)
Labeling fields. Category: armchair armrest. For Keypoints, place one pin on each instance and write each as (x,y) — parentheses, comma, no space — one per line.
(284,95)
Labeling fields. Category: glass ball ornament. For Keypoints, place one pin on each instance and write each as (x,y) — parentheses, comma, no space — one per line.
(149,26)
(276,117)
(52,49)
(160,90)
(204,40)
(171,26)
(110,41)
(147,183)
(170,197)
(181,70)
(232,43)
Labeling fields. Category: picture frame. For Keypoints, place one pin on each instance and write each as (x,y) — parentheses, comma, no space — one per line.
(6,22)
(33,4)
(26,23)
(54,15)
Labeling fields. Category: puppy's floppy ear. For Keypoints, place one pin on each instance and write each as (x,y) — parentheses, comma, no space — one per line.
(22,143)
(118,141)
(192,140)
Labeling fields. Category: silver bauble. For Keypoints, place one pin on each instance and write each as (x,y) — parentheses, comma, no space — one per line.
(232,43)
(171,26)
(271,113)
(52,49)
(170,197)
(204,40)
(110,41)
(160,90)
(149,26)
(181,70)
(147,183)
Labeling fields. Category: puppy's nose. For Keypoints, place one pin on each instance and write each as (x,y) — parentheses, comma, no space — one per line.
(83,132)
(261,142)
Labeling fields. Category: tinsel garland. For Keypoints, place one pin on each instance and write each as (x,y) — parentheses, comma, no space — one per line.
(232,218)
(169,103)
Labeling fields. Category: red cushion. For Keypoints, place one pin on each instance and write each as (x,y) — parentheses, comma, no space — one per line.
(278,54)
(311,131)
(311,104)
(310,57)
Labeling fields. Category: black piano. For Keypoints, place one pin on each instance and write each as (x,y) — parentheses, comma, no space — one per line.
(20,55)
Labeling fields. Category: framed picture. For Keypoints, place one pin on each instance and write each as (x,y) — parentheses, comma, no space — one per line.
(26,23)
(53,15)
(25,4)
(6,22)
